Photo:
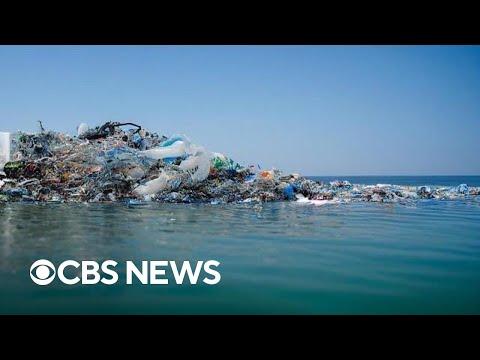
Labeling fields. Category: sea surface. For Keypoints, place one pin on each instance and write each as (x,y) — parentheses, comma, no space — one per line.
(275,258)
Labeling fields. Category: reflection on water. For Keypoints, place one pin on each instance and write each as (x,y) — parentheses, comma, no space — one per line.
(275,258)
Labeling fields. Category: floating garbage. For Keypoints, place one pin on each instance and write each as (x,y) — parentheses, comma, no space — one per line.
(123,162)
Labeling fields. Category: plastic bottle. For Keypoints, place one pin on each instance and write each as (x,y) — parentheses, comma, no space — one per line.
(82,129)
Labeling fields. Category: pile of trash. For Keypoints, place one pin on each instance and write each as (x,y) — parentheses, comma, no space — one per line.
(127,163)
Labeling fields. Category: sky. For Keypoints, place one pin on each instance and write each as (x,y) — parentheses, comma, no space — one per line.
(315,110)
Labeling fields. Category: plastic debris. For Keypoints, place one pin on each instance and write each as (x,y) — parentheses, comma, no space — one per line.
(82,130)
(123,162)
(107,129)
(288,191)
(5,144)
(461,189)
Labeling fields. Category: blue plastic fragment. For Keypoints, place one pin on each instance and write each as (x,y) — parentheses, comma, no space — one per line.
(250,178)
(137,140)
(288,191)
(169,160)
(133,202)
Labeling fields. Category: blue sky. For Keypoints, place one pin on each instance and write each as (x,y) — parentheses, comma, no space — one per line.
(317,110)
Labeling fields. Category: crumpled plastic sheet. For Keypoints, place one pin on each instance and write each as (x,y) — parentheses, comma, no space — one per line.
(137,166)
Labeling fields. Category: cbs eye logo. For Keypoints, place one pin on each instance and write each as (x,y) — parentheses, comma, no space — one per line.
(42,272)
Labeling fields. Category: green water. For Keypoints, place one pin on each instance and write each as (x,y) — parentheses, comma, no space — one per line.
(282,258)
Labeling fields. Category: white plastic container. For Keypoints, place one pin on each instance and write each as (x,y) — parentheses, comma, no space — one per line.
(153,186)
(5,148)
(82,129)
(177,149)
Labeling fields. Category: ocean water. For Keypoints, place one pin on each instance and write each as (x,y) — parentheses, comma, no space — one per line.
(405,180)
(276,258)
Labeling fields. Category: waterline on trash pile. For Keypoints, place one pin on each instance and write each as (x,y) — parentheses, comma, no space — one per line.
(275,257)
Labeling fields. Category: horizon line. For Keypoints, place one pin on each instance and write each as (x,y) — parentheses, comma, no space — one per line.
(391,175)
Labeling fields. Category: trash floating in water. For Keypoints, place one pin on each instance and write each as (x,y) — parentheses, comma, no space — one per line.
(122,162)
